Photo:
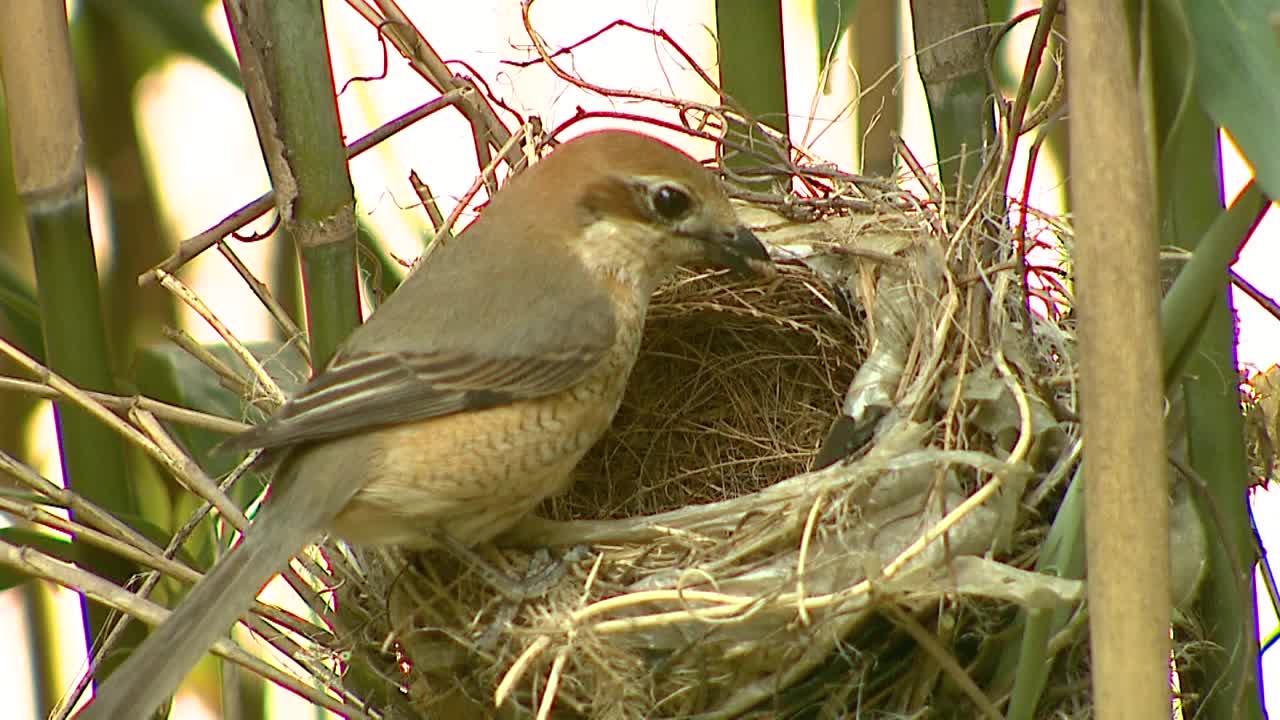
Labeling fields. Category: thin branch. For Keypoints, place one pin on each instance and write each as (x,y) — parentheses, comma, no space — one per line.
(121,403)
(197,244)
(184,470)
(1257,295)
(943,657)
(36,564)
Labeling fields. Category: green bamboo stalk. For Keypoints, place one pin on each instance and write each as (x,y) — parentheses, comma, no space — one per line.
(951,43)
(288,79)
(47,143)
(112,64)
(1062,555)
(752,68)
(876,54)
(1229,678)
(20,322)
(284,59)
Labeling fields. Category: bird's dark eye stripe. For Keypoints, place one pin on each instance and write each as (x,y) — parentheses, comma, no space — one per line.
(671,202)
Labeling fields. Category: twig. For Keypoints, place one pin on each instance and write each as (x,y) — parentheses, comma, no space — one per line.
(780,145)
(121,539)
(203,355)
(197,244)
(1257,295)
(518,668)
(487,130)
(291,330)
(428,200)
(1046,14)
(553,683)
(446,230)
(943,657)
(918,171)
(36,564)
(186,472)
(120,403)
(264,382)
(151,559)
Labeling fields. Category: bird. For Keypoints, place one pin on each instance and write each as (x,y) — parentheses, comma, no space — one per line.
(471,392)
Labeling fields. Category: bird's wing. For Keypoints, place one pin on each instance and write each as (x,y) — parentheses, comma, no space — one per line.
(376,389)
(503,312)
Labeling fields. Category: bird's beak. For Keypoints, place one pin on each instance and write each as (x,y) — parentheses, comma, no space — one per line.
(739,250)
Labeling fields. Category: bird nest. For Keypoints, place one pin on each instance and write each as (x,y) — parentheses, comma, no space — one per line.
(705,564)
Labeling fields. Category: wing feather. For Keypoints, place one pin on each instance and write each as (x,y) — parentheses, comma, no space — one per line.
(366,391)
(469,329)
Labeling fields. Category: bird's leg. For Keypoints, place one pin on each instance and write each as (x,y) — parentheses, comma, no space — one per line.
(543,573)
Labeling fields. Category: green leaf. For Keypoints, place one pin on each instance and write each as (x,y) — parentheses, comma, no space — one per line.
(832,19)
(196,387)
(1238,62)
(161,537)
(1000,10)
(20,312)
(51,545)
(1200,282)
(379,271)
(174,25)
(752,73)
(168,373)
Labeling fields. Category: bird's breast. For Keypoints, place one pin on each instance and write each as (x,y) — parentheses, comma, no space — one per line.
(476,474)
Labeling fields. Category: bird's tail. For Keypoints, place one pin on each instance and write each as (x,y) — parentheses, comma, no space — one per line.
(156,668)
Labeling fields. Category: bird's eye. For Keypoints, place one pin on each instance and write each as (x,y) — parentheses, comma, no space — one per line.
(671,202)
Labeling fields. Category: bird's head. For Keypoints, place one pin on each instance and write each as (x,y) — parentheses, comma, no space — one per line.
(636,208)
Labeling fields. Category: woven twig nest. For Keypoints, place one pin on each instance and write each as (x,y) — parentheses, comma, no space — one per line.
(700,566)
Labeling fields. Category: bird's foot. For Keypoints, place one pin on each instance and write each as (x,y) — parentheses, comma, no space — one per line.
(545,570)
(542,575)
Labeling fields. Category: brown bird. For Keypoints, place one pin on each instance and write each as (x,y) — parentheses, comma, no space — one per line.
(471,393)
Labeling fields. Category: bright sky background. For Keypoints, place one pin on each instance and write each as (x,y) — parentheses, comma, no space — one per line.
(204,153)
